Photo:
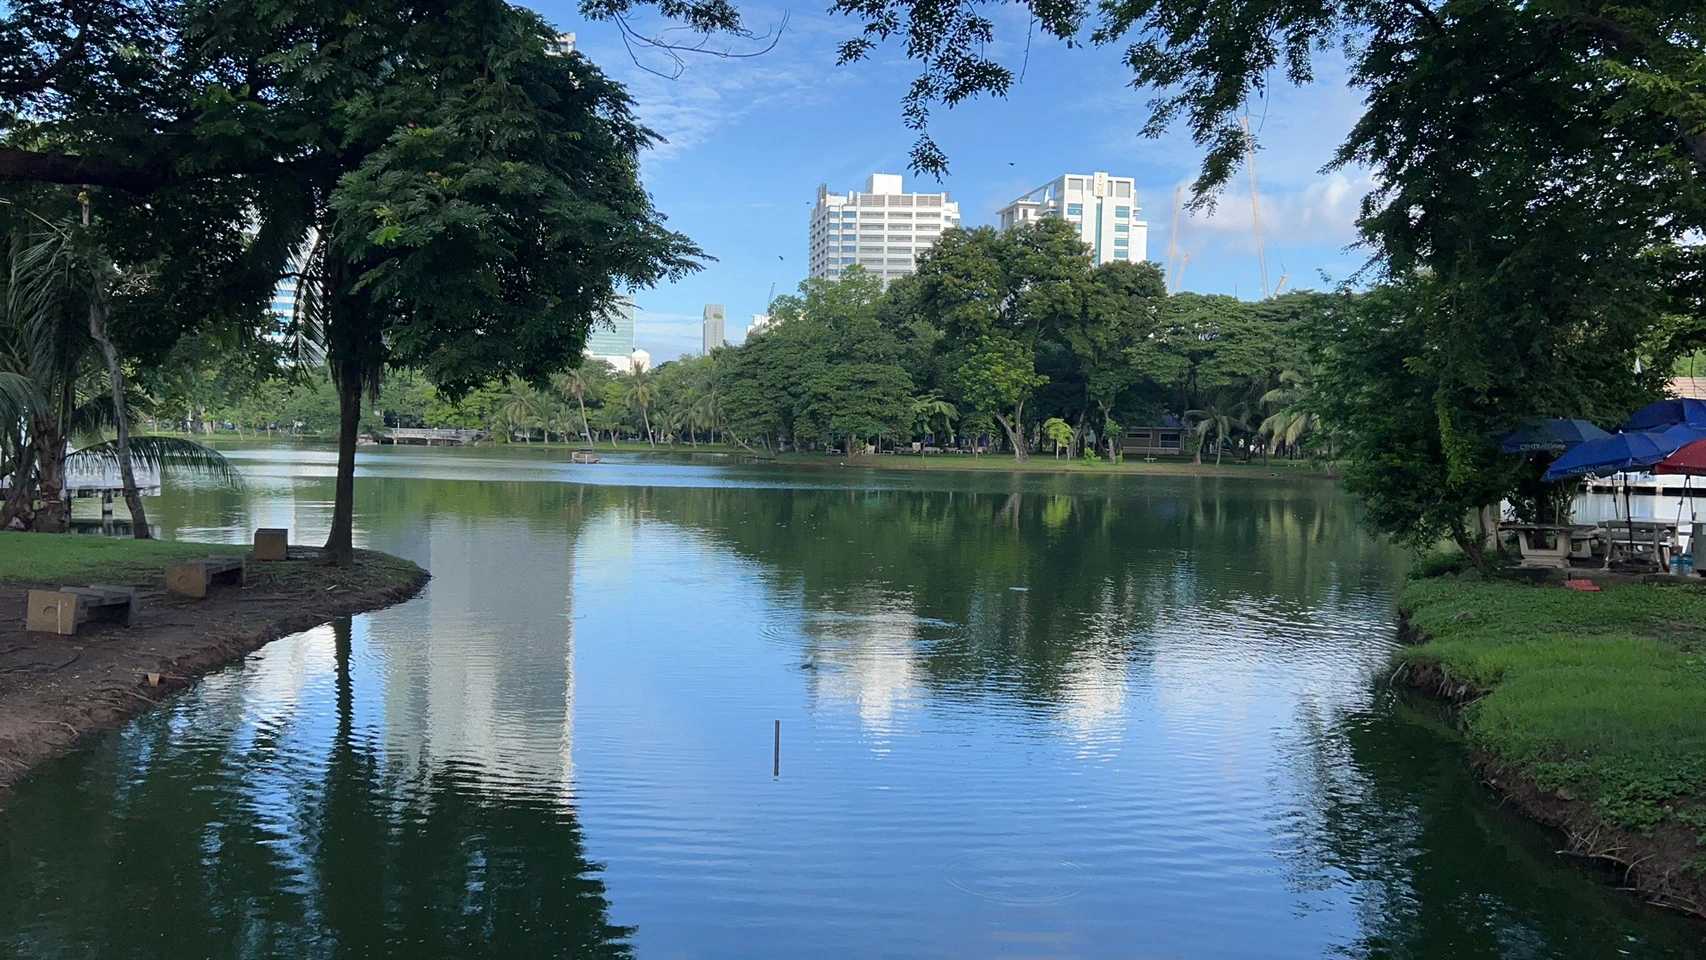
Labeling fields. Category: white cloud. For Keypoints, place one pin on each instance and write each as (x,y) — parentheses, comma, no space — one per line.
(667,336)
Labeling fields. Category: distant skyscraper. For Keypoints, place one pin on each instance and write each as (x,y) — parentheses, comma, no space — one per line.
(881,228)
(612,339)
(759,322)
(712,332)
(1103,208)
(614,334)
(562,46)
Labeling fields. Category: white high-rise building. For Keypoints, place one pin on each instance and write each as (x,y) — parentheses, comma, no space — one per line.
(711,332)
(880,228)
(1103,208)
(759,322)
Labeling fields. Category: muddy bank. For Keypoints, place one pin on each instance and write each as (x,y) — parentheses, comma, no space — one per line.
(54,690)
(1659,865)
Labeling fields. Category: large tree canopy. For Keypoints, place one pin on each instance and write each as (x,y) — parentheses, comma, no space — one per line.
(452,196)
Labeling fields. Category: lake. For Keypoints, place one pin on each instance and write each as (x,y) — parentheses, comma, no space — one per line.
(1021,716)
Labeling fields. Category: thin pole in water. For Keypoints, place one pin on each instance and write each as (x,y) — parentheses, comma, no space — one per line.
(776,753)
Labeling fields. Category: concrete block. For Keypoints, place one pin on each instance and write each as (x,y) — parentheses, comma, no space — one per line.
(272,543)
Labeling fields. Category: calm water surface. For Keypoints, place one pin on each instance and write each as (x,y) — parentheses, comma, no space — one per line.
(1069,716)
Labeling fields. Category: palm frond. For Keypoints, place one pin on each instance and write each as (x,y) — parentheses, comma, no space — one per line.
(166,454)
(18,395)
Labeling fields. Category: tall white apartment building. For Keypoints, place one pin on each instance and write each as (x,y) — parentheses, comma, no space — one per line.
(1103,208)
(881,228)
(711,327)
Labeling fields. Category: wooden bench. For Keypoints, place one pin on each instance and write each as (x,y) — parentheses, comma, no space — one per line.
(64,610)
(272,543)
(192,579)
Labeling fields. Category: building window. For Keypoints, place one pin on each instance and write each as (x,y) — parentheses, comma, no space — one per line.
(1122,189)
(1121,228)
(1075,209)
(1123,213)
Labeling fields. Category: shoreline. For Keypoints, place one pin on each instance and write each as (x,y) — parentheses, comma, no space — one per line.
(1661,865)
(55,692)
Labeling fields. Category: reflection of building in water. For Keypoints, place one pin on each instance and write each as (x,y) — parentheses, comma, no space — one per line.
(482,674)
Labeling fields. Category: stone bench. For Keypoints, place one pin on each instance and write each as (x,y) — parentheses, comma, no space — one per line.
(65,610)
(192,579)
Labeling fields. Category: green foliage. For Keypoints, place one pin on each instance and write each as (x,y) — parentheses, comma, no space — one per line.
(1601,694)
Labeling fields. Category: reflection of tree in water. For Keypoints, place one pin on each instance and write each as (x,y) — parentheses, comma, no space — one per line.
(1097,566)
(1437,868)
(183,864)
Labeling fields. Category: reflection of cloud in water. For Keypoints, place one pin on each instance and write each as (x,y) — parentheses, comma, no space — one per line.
(1093,696)
(867,660)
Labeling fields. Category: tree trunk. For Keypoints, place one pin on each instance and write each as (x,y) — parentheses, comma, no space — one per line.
(1020,454)
(17,505)
(121,417)
(54,516)
(340,542)
(586,428)
(646,418)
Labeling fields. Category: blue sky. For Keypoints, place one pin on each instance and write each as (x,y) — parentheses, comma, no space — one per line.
(750,139)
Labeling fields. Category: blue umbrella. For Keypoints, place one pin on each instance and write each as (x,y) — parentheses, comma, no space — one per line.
(1622,451)
(1550,434)
(1665,413)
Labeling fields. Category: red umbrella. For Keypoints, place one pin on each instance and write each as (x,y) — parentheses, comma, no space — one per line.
(1690,459)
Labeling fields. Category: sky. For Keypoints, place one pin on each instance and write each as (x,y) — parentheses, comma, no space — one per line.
(747,141)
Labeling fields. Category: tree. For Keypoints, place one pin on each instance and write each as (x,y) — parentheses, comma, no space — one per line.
(474,200)
(1385,405)
(581,381)
(1059,433)
(996,375)
(930,409)
(1115,337)
(637,394)
(851,402)
(1293,418)
(1220,422)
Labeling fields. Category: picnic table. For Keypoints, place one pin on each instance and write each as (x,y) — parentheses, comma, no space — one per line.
(1633,540)
(1553,545)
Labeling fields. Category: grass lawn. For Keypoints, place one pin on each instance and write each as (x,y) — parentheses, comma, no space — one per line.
(76,558)
(45,558)
(1599,695)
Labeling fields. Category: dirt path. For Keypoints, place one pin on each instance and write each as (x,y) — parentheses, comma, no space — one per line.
(54,690)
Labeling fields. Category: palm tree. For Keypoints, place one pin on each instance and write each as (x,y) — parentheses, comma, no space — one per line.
(1218,422)
(670,422)
(1292,420)
(929,408)
(522,407)
(45,366)
(637,390)
(574,383)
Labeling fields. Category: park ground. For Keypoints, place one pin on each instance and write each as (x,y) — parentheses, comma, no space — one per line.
(55,691)
(1586,710)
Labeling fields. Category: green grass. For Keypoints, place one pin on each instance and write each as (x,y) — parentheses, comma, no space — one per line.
(53,559)
(1602,695)
(72,558)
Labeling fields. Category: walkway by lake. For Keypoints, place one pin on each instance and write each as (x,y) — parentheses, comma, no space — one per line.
(1021,715)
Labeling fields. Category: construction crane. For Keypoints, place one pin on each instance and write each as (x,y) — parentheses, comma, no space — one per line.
(1255,204)
(1173,238)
